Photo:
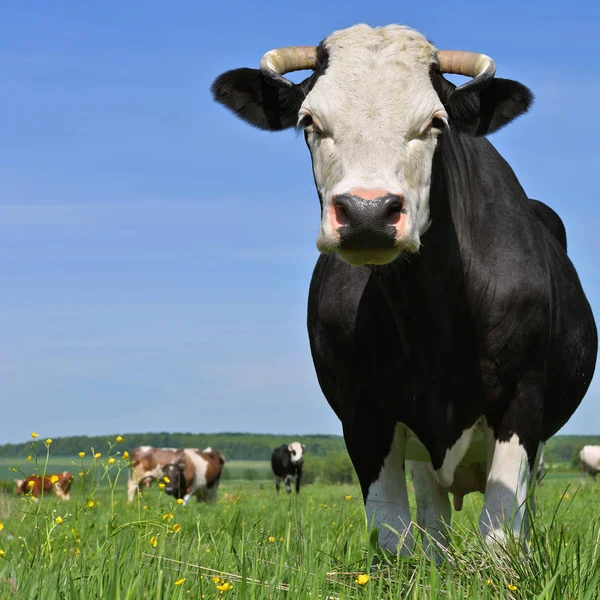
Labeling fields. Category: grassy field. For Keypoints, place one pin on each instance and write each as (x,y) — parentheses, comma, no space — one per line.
(254,544)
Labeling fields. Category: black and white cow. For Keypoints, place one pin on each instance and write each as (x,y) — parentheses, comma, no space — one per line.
(287,461)
(447,324)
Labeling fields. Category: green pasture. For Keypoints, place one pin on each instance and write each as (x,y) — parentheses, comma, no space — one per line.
(255,544)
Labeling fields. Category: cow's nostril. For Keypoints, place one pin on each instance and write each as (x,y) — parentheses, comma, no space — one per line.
(394,214)
(341,215)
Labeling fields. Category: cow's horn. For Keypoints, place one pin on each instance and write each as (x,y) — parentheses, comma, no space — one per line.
(472,64)
(276,63)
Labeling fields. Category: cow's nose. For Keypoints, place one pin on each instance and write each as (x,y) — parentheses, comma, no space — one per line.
(367,223)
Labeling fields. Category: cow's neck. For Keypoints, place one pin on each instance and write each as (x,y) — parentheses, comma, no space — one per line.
(434,295)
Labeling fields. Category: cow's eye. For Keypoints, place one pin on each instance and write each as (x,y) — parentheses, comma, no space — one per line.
(438,123)
(306,120)
(309,123)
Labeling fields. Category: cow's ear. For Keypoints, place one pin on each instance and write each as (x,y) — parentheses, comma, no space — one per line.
(303,447)
(483,111)
(247,94)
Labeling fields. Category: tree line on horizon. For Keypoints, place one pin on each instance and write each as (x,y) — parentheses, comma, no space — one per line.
(233,446)
(560,449)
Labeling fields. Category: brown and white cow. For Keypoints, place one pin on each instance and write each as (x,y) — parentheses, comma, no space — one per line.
(201,468)
(194,473)
(59,484)
(147,464)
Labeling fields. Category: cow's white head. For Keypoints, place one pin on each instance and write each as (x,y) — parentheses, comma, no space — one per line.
(372,114)
(296,450)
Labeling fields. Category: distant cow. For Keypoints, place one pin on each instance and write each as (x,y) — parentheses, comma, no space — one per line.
(59,484)
(589,461)
(286,462)
(194,473)
(147,464)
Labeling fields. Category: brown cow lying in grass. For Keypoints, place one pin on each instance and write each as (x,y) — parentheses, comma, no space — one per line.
(59,484)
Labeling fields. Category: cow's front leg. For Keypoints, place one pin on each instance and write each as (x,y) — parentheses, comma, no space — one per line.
(507,486)
(288,484)
(211,494)
(132,488)
(433,509)
(386,500)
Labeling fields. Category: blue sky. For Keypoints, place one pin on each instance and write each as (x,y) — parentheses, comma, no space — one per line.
(155,253)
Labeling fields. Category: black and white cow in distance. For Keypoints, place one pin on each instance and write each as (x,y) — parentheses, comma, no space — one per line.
(287,461)
(447,324)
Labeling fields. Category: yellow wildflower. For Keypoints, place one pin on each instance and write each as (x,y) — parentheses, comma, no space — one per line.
(90,503)
(58,520)
(81,473)
(2,554)
(176,527)
(119,439)
(362,579)
(216,579)
(271,539)
(1,526)
(98,455)
(347,498)
(567,496)
(166,479)
(180,581)
(53,478)
(161,485)
(31,483)
(125,455)
(489,582)
(511,587)
(179,500)
(111,461)
(77,551)
(208,550)
(35,435)
(48,442)
(29,457)
(81,454)
(153,541)
(225,587)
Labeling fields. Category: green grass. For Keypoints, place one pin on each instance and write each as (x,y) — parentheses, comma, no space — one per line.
(268,546)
